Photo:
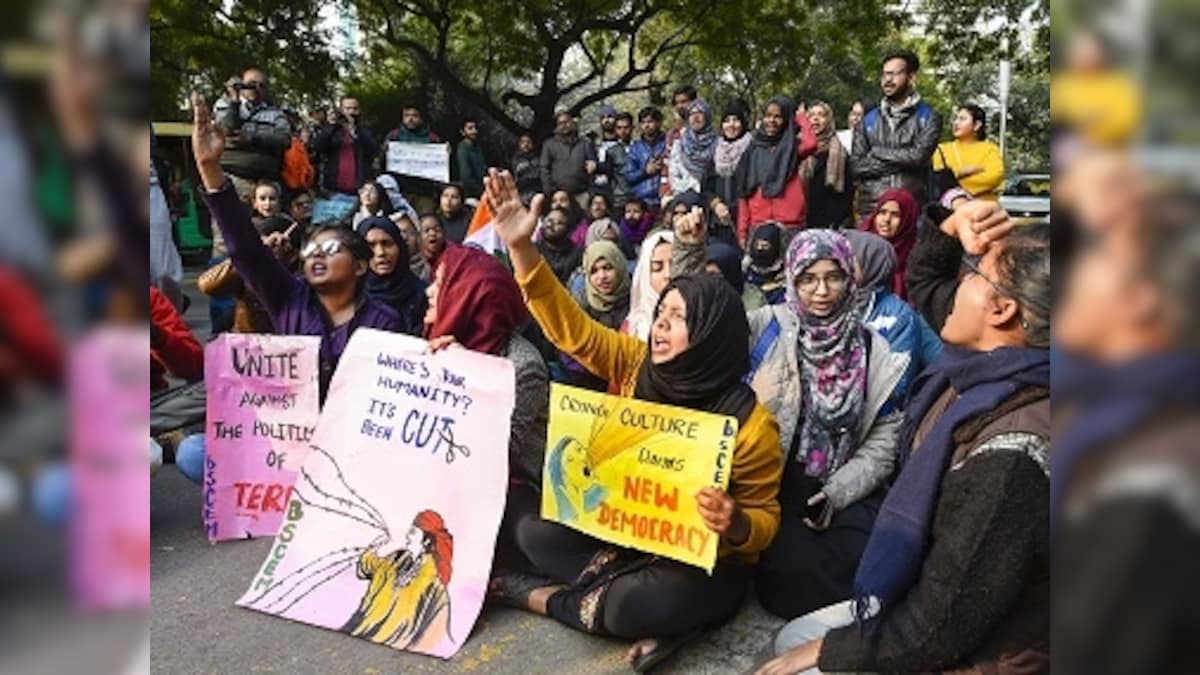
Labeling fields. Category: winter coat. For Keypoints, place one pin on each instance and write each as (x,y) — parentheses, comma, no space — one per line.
(255,139)
(887,156)
(776,381)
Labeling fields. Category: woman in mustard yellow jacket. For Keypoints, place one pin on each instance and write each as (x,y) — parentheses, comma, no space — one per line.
(698,352)
(975,161)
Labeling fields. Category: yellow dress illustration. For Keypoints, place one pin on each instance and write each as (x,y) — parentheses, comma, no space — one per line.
(407,604)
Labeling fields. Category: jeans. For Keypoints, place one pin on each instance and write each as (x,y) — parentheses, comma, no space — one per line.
(814,626)
(189,458)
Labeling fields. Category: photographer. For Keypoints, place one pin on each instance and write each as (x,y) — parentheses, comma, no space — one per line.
(258,133)
(345,150)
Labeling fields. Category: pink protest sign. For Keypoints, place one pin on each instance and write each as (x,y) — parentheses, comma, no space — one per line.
(393,520)
(109,399)
(261,412)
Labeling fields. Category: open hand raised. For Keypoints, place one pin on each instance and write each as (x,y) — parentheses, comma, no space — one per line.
(513,222)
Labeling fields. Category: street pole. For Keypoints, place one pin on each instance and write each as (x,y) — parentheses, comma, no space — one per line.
(1005,80)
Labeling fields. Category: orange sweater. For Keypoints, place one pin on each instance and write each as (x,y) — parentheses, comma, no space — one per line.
(757,456)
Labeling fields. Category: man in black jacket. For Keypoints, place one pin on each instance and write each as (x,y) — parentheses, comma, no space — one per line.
(893,146)
(346,150)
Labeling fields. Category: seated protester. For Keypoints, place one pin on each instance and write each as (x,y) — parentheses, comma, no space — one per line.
(412,240)
(249,316)
(598,209)
(267,202)
(934,268)
(173,349)
(605,298)
(563,255)
(390,280)
(832,385)
(576,218)
(601,589)
(690,165)
(726,261)
(956,575)
(606,228)
(474,302)
(455,215)
(650,277)
(373,201)
(895,219)
(433,240)
(329,300)
(904,329)
(636,222)
(301,210)
(765,271)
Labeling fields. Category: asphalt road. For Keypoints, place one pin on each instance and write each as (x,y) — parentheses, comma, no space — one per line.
(196,628)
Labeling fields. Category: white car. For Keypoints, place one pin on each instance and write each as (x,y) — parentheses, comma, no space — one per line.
(1026,197)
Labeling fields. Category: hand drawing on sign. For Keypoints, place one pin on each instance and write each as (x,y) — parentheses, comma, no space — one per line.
(406,603)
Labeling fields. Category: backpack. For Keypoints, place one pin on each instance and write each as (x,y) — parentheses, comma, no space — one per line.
(297,173)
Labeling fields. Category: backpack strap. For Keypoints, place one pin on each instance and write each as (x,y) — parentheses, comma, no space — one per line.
(761,347)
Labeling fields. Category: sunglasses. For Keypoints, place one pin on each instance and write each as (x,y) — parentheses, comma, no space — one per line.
(328,248)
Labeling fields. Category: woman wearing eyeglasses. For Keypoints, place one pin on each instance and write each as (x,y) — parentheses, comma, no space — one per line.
(329,299)
(832,384)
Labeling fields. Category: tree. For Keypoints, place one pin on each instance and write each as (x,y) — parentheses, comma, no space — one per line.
(516,62)
(201,43)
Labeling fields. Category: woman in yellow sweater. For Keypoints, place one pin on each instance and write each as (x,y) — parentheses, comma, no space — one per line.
(976,161)
(698,352)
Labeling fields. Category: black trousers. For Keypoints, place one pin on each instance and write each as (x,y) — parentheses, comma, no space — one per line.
(804,569)
(613,591)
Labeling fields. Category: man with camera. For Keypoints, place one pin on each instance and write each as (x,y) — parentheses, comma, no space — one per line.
(257,134)
(345,150)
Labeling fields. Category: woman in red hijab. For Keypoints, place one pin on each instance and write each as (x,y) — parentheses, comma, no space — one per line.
(895,219)
(474,302)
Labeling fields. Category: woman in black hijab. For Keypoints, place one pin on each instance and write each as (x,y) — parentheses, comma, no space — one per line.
(767,175)
(391,279)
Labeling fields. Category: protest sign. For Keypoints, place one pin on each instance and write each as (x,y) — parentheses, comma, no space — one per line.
(423,160)
(109,523)
(390,530)
(261,411)
(627,471)
(332,210)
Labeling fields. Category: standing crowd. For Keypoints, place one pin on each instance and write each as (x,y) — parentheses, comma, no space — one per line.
(857,299)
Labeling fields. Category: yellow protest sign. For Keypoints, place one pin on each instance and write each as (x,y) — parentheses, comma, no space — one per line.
(627,471)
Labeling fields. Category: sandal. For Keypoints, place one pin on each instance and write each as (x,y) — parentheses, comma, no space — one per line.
(512,589)
(667,647)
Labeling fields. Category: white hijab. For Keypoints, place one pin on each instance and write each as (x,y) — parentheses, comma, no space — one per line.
(642,296)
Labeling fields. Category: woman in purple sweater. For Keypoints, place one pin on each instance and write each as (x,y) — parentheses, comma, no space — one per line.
(330,300)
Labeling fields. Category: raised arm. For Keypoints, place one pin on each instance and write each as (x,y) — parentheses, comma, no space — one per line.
(601,350)
(271,282)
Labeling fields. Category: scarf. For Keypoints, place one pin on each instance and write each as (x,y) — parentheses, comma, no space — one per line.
(707,375)
(597,230)
(894,114)
(643,299)
(401,289)
(698,147)
(829,147)
(895,551)
(1111,402)
(478,301)
(728,259)
(605,250)
(770,160)
(875,257)
(729,150)
(906,236)
(833,359)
